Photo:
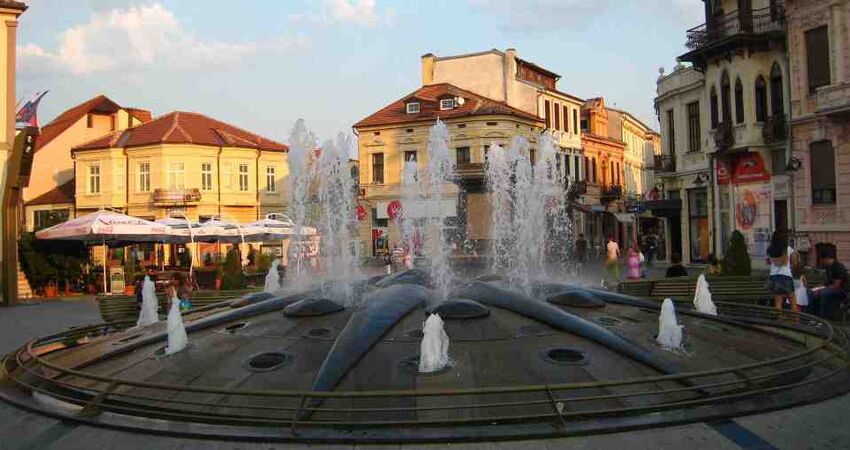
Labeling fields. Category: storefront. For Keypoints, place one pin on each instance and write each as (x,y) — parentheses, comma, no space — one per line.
(746,201)
(699,228)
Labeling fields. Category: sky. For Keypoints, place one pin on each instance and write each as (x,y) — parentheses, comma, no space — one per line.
(262,64)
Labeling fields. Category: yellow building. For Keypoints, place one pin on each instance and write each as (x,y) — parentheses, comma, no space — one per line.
(399,132)
(185,163)
(49,197)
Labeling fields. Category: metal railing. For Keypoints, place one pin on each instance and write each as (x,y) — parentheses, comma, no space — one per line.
(775,129)
(822,347)
(757,21)
(664,163)
(724,136)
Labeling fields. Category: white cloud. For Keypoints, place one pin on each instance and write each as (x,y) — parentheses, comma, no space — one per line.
(138,36)
(362,13)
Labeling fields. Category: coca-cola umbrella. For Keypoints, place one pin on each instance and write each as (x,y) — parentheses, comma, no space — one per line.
(106,227)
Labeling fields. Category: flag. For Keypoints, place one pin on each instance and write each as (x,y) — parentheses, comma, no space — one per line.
(28,114)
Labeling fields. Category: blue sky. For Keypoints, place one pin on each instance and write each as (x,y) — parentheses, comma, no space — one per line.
(263,64)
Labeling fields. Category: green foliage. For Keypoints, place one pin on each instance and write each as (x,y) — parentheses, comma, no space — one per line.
(46,262)
(234,278)
(263,262)
(737,259)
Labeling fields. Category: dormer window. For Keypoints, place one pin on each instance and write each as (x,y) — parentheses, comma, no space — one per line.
(447,103)
(413,108)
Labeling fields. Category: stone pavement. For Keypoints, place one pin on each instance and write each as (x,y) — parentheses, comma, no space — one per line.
(818,426)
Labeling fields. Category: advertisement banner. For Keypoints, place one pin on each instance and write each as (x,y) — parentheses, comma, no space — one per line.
(753,210)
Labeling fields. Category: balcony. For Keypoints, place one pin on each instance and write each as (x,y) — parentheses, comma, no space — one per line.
(834,99)
(176,196)
(576,190)
(610,192)
(470,173)
(750,28)
(724,136)
(775,129)
(664,163)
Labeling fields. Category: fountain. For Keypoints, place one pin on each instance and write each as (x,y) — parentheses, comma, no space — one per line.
(434,349)
(337,358)
(301,155)
(669,330)
(272,284)
(702,297)
(177,338)
(148,313)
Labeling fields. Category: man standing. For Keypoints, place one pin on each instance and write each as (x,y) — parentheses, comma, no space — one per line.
(649,243)
(612,263)
(827,299)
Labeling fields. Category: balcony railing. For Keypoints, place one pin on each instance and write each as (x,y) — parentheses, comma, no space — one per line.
(758,21)
(176,196)
(724,136)
(470,172)
(610,192)
(664,163)
(577,189)
(775,129)
(833,98)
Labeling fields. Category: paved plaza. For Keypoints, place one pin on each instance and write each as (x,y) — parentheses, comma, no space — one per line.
(819,426)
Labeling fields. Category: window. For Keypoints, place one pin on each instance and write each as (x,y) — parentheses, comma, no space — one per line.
(575,119)
(378,168)
(546,108)
(144,177)
(206,176)
(567,119)
(558,117)
(486,153)
(558,164)
(694,138)
(89,120)
(447,103)
(739,101)
(243,177)
(94,178)
(463,155)
(112,122)
(713,106)
(48,218)
(410,155)
(593,169)
(776,106)
(176,175)
(671,126)
(577,165)
(532,156)
(271,179)
(817,57)
(413,108)
(822,161)
(725,98)
(584,125)
(761,99)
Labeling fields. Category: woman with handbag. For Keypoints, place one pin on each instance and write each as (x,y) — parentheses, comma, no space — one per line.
(780,282)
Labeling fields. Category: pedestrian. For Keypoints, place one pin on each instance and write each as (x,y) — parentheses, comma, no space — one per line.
(676,269)
(581,250)
(138,283)
(182,290)
(649,244)
(827,298)
(633,272)
(780,281)
(714,266)
(612,263)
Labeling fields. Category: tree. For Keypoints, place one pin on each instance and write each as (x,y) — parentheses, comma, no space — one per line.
(234,278)
(44,262)
(737,260)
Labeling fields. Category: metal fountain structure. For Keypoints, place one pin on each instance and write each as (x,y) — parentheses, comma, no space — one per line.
(335,359)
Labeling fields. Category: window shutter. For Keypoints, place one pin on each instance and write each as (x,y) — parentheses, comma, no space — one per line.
(817,57)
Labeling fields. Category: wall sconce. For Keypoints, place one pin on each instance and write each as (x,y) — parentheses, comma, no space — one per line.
(700,179)
(794,164)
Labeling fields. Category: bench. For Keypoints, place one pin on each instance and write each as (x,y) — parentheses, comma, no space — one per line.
(741,289)
(123,307)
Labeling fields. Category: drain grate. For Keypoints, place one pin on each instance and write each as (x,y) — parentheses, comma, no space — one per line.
(268,361)
(564,356)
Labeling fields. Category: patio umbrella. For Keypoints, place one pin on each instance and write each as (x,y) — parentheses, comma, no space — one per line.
(105,227)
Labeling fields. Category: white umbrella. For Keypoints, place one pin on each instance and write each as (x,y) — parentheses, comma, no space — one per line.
(106,226)
(280,229)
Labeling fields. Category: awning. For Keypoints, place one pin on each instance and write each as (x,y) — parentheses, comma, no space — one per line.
(624,217)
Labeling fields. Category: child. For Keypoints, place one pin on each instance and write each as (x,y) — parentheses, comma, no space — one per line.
(633,264)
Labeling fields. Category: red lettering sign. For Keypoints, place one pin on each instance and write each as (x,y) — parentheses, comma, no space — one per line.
(749,168)
(394,209)
(722,171)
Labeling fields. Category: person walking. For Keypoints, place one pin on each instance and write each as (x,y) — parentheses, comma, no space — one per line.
(780,280)
(612,263)
(827,298)
(633,272)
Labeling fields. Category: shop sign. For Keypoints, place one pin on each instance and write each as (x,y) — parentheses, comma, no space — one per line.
(394,209)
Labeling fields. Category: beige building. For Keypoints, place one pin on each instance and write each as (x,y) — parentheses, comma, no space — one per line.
(49,198)
(819,47)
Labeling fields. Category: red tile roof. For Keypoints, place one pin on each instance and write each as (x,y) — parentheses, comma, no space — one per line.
(429,107)
(142,114)
(64,121)
(181,127)
(59,194)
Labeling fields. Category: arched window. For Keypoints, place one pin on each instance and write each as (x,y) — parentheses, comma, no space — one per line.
(726,98)
(739,101)
(761,99)
(713,104)
(776,106)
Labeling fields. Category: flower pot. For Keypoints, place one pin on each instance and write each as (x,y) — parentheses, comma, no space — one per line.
(129,289)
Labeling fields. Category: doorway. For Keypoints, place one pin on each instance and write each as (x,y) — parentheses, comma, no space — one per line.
(780,215)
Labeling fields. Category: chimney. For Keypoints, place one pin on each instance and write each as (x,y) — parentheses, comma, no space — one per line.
(428,61)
